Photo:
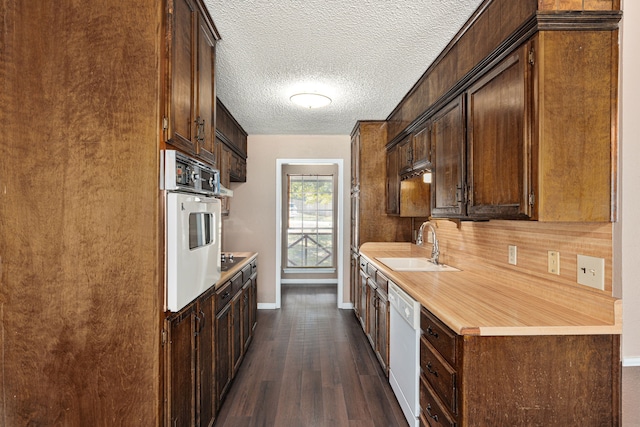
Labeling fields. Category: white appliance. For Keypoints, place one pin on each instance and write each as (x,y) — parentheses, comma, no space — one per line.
(193,229)
(404,352)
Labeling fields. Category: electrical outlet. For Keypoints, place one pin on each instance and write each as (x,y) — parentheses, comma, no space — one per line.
(591,271)
(513,255)
(429,236)
(553,262)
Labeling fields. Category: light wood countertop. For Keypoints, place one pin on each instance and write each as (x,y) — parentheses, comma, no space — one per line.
(494,303)
(237,266)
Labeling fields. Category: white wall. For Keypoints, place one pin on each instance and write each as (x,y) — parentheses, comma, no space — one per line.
(627,229)
(251,224)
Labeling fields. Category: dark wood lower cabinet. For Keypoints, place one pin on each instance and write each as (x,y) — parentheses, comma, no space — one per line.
(205,345)
(372,309)
(181,381)
(544,380)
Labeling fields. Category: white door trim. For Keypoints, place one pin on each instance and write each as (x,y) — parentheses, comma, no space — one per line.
(280,226)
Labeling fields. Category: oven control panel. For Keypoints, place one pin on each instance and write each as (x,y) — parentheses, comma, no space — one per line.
(183,173)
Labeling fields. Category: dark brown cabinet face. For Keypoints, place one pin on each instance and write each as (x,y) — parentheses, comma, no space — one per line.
(181,353)
(205,118)
(393,181)
(448,154)
(223,351)
(206,363)
(498,142)
(190,108)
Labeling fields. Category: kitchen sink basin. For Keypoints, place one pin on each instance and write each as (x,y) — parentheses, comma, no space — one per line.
(414,264)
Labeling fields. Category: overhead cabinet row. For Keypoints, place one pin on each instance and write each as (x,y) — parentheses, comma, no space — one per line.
(528,138)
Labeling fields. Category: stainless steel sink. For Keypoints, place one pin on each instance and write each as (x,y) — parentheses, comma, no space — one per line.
(414,264)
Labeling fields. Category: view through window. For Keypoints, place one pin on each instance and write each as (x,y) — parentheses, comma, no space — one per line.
(310,228)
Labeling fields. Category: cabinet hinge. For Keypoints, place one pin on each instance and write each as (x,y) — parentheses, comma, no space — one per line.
(532,199)
(163,337)
(165,123)
(532,57)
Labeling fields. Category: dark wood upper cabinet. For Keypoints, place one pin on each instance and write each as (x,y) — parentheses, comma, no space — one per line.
(448,154)
(206,93)
(393,180)
(234,137)
(499,166)
(414,153)
(190,109)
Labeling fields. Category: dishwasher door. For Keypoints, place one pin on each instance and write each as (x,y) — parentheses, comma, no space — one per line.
(404,352)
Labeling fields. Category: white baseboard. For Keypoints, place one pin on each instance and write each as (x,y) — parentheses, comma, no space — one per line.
(345,306)
(631,361)
(309,281)
(266,306)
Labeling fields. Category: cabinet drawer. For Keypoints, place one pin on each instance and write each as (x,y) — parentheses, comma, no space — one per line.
(236,283)
(382,281)
(246,273)
(431,409)
(439,336)
(223,296)
(371,270)
(440,375)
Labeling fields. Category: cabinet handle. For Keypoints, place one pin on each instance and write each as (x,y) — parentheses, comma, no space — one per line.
(199,129)
(459,194)
(203,319)
(430,369)
(433,416)
(431,332)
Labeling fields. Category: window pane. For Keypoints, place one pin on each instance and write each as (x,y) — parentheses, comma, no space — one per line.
(310,223)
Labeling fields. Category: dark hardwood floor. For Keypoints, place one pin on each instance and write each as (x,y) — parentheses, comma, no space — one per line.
(310,365)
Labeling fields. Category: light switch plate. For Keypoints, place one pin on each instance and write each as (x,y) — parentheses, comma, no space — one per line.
(513,255)
(553,262)
(591,271)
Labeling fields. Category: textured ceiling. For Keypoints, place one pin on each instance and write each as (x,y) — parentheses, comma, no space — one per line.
(364,54)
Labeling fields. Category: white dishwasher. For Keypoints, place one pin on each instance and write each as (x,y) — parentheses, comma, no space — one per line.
(404,352)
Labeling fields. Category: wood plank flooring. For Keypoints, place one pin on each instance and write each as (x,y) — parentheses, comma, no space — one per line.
(310,365)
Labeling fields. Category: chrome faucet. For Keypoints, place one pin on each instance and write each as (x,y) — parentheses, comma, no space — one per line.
(435,250)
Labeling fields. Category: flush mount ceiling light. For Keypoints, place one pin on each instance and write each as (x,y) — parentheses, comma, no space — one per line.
(310,100)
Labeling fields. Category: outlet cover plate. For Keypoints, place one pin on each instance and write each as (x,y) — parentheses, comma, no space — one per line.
(553,262)
(591,271)
(513,255)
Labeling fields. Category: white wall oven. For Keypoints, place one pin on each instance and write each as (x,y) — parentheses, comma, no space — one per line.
(193,228)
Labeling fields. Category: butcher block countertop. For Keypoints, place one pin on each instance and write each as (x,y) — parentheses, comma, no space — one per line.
(492,303)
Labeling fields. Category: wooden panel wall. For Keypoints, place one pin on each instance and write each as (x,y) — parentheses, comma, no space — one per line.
(80,240)
(484,245)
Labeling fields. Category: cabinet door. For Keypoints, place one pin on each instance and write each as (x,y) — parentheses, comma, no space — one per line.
(182,366)
(182,85)
(223,353)
(393,181)
(355,159)
(372,304)
(382,329)
(405,155)
(499,142)
(223,163)
(421,156)
(448,155)
(205,118)
(246,320)
(206,362)
(236,332)
(363,300)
